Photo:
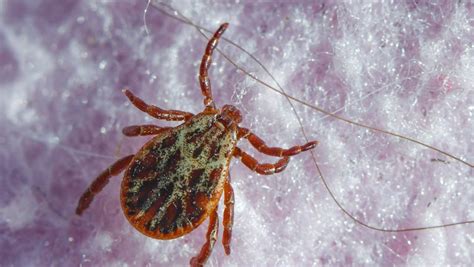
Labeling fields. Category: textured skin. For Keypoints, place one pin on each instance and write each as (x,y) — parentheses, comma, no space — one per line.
(175,181)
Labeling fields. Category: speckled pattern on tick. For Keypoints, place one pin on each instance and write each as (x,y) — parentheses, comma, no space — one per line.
(174,182)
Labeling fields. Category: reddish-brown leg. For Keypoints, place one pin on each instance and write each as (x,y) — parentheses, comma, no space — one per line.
(140,130)
(206,63)
(156,112)
(260,145)
(265,168)
(211,238)
(100,182)
(228,220)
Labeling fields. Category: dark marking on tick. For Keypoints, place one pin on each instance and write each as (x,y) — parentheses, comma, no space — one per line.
(197,152)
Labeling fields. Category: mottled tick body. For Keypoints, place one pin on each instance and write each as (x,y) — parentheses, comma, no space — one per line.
(175,181)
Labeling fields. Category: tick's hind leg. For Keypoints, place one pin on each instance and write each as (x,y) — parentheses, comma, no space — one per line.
(211,238)
(156,112)
(260,145)
(261,168)
(206,63)
(141,130)
(228,220)
(100,182)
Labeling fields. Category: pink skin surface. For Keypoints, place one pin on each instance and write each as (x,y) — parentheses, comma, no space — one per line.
(404,67)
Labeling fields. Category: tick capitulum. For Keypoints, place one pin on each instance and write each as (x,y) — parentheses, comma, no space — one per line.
(174,182)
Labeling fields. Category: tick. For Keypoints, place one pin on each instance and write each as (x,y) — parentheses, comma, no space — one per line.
(175,181)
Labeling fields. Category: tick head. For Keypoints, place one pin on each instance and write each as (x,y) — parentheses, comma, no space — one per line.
(230,114)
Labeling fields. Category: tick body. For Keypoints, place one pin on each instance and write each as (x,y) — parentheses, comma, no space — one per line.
(175,181)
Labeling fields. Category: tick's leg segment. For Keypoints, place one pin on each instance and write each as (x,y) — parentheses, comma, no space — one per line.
(140,130)
(156,112)
(206,63)
(211,237)
(260,145)
(100,182)
(265,168)
(228,220)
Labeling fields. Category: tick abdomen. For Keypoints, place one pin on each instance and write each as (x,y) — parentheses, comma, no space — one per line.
(176,179)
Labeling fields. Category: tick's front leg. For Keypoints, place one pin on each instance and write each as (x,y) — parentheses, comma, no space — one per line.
(100,182)
(261,168)
(156,112)
(260,145)
(206,63)
(141,130)
(211,237)
(228,220)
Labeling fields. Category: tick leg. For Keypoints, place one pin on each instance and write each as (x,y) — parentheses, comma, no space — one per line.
(100,182)
(228,220)
(265,168)
(211,237)
(140,130)
(206,63)
(260,145)
(156,112)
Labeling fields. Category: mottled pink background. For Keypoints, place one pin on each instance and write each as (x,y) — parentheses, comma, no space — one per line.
(406,67)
